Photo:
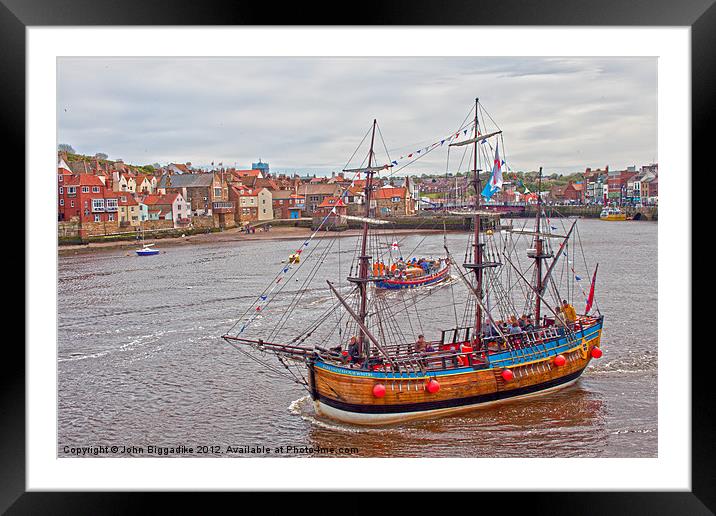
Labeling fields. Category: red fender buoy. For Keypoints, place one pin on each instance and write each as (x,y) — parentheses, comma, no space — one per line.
(507,375)
(433,386)
(596,352)
(559,360)
(379,390)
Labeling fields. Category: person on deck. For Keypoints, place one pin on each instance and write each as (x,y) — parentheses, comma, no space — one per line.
(569,313)
(354,350)
(523,321)
(528,324)
(515,328)
(421,345)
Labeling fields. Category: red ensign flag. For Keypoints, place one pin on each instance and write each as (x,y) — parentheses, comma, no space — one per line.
(590,299)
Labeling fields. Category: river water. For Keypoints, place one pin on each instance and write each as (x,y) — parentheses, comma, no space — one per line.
(141,361)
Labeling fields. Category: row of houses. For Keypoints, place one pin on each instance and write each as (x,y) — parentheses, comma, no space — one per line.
(106,199)
(603,186)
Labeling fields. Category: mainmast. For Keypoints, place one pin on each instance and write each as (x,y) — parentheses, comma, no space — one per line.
(364,258)
(477,255)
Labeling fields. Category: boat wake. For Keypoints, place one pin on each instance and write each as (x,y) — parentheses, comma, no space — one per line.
(633,363)
(302,408)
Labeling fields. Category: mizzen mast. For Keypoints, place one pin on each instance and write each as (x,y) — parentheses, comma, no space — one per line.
(539,253)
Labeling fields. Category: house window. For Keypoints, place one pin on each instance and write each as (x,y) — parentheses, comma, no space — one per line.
(395,199)
(217,192)
(62,190)
(72,204)
(59,177)
(85,189)
(95,189)
(97,217)
(97,204)
(62,202)
(111,217)
(111,204)
(71,190)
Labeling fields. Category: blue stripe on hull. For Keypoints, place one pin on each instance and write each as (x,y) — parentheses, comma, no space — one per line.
(501,360)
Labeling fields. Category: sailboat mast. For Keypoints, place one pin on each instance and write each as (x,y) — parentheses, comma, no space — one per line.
(538,248)
(478,246)
(364,258)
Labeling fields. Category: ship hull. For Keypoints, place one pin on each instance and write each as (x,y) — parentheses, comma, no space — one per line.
(620,216)
(432,279)
(354,415)
(346,394)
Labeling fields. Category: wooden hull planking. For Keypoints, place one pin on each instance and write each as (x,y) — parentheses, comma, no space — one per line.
(347,395)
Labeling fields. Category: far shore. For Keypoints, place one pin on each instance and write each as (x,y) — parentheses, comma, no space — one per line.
(229,235)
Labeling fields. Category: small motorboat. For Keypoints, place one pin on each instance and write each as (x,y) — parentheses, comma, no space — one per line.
(612,213)
(147,250)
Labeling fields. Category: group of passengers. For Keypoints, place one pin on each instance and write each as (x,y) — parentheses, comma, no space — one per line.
(399,267)
(512,326)
(566,316)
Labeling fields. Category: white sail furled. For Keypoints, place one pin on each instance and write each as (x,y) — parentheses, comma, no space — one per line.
(535,233)
(364,219)
(475,139)
(367,169)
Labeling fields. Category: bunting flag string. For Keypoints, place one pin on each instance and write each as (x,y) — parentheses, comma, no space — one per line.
(265,298)
(438,143)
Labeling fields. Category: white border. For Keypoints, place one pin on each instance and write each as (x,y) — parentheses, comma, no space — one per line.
(671,470)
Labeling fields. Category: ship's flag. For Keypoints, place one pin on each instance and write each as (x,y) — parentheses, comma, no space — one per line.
(495,182)
(394,246)
(590,299)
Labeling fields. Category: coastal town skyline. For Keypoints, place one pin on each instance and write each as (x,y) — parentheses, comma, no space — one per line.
(307,115)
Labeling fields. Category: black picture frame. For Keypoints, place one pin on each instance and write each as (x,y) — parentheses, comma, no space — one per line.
(700,15)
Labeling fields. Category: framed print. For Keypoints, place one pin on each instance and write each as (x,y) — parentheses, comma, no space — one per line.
(423,251)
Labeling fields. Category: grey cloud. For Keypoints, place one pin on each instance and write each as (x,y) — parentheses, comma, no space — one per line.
(298,113)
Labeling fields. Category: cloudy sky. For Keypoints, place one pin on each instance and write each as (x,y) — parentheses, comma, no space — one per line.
(310,114)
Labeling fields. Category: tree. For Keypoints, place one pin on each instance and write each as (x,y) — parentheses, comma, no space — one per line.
(66,147)
(101,155)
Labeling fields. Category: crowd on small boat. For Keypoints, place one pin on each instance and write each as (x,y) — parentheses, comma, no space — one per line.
(403,267)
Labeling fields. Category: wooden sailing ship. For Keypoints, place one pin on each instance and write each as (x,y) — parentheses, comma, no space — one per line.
(376,372)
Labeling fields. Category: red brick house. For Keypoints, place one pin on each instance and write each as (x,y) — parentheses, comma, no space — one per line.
(393,201)
(86,197)
(328,204)
(574,192)
(286,204)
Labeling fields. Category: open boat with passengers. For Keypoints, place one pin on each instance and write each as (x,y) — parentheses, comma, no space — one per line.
(360,361)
